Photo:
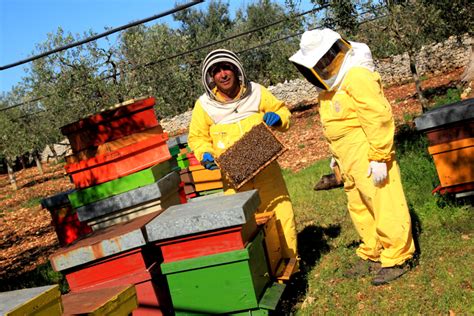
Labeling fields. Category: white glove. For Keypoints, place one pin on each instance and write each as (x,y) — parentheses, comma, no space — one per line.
(378,170)
(333,163)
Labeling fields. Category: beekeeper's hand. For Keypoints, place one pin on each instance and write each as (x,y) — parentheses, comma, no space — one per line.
(378,170)
(208,161)
(272,119)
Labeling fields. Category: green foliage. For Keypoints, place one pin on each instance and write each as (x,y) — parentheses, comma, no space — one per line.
(451,96)
(42,275)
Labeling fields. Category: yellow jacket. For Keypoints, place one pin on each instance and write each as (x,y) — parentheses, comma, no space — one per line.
(206,136)
(359,103)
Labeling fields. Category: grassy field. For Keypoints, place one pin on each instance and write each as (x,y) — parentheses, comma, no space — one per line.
(442,281)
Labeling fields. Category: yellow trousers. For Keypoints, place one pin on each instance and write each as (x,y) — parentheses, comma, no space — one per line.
(274,197)
(380,214)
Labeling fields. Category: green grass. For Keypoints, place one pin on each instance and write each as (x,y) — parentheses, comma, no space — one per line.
(441,282)
(452,95)
(31,202)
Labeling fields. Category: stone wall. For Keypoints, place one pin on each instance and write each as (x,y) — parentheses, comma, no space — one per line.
(432,59)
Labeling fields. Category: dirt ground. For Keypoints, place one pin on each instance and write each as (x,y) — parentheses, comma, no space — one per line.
(27,237)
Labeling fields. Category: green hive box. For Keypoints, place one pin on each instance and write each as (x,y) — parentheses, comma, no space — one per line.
(182,161)
(221,283)
(121,185)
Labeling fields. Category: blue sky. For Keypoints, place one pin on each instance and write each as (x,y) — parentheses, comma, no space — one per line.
(25,23)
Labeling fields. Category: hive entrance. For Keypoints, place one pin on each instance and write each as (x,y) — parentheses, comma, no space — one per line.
(250,155)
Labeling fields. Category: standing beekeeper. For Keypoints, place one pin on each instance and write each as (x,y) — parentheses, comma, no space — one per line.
(358,124)
(231,106)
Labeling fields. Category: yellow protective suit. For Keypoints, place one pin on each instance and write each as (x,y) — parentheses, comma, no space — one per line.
(358,123)
(204,136)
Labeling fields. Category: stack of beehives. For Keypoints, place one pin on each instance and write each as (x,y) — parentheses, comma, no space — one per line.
(124,176)
(196,180)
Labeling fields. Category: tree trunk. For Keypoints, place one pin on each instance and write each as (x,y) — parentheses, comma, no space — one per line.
(38,162)
(22,162)
(416,78)
(55,154)
(11,175)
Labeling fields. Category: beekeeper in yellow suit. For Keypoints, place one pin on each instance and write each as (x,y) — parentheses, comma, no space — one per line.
(231,106)
(358,124)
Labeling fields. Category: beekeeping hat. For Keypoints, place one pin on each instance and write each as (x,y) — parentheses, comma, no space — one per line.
(320,57)
(220,56)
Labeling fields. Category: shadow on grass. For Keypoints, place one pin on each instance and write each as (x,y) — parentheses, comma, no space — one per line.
(312,243)
(40,276)
(43,179)
(416,231)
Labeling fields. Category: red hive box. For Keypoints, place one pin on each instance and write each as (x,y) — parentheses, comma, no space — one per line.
(64,218)
(205,244)
(132,267)
(111,124)
(119,163)
(67,226)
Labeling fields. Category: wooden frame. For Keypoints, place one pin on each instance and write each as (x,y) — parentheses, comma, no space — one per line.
(239,185)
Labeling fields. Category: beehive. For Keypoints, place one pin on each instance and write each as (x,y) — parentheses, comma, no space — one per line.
(220,283)
(41,301)
(450,134)
(249,155)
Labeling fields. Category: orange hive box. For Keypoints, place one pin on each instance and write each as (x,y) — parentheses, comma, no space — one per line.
(119,163)
(124,119)
(113,145)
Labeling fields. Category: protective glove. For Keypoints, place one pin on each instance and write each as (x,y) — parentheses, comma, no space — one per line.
(332,163)
(378,170)
(272,119)
(208,161)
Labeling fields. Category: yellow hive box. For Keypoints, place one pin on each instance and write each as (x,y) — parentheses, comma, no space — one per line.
(210,185)
(38,301)
(206,175)
(272,240)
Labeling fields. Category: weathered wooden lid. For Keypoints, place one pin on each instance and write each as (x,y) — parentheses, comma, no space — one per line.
(161,188)
(204,215)
(103,243)
(446,114)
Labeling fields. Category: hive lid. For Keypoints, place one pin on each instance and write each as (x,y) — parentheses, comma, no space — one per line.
(205,215)
(57,200)
(161,188)
(102,243)
(26,301)
(446,114)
